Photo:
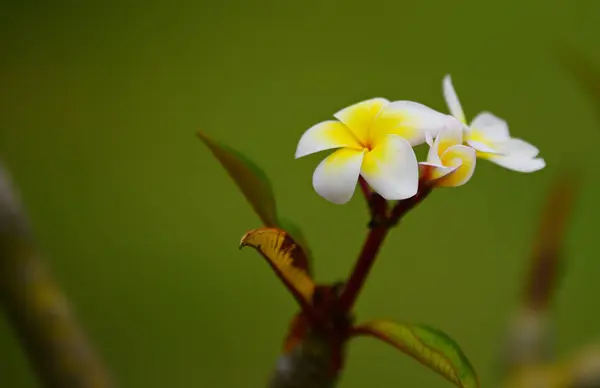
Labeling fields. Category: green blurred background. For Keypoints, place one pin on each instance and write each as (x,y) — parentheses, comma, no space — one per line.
(99,103)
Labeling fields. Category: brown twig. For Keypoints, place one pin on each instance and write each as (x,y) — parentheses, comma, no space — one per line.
(380,225)
(546,258)
(363,266)
(58,349)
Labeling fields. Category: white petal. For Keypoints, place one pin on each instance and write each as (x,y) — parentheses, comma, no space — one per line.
(428,139)
(324,136)
(360,116)
(409,120)
(433,155)
(518,147)
(464,159)
(455,124)
(490,127)
(452,99)
(517,163)
(436,165)
(335,177)
(452,134)
(391,169)
(482,147)
(429,170)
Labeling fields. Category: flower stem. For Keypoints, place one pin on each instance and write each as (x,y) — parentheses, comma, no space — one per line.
(403,207)
(59,350)
(378,206)
(363,266)
(375,238)
(366,190)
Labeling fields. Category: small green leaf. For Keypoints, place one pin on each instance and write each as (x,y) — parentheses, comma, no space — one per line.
(429,346)
(296,233)
(251,180)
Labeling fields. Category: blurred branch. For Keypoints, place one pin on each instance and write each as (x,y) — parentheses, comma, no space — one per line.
(306,365)
(529,339)
(546,258)
(57,347)
(583,369)
(583,70)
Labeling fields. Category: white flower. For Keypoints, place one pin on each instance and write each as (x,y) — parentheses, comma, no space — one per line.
(449,162)
(490,137)
(375,140)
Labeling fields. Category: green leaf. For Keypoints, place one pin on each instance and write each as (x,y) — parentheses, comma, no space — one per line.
(256,187)
(251,180)
(296,233)
(431,347)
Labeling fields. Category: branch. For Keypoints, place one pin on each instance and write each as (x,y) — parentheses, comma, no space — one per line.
(403,207)
(530,334)
(38,311)
(307,365)
(547,257)
(363,266)
(378,206)
(380,225)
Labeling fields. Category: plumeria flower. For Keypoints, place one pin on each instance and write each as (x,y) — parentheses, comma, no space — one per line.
(374,140)
(489,135)
(449,162)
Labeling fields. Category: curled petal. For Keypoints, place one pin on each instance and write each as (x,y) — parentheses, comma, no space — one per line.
(391,169)
(335,177)
(452,99)
(462,159)
(433,171)
(433,155)
(409,120)
(518,163)
(451,135)
(324,136)
(488,127)
(359,117)
(428,139)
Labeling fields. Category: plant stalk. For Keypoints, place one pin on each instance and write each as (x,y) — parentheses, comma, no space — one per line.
(380,225)
(57,347)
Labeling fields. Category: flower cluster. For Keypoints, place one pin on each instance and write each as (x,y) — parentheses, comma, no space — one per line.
(374,144)
(374,139)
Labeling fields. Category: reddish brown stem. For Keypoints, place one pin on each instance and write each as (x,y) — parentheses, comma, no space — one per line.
(363,266)
(378,206)
(366,190)
(372,245)
(403,207)
(547,257)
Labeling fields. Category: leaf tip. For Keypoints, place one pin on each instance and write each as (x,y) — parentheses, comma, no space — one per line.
(244,240)
(202,136)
